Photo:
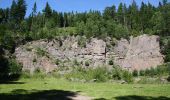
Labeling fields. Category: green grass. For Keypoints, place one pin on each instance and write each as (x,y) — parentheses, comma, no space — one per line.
(32,88)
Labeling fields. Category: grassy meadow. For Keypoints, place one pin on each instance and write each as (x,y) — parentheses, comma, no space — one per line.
(60,89)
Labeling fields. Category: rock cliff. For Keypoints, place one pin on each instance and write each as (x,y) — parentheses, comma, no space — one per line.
(138,53)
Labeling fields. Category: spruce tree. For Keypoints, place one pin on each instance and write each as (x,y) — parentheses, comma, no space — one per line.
(13,10)
(34,10)
(120,14)
(48,11)
(21,10)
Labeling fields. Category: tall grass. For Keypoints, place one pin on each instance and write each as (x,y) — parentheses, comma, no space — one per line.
(99,74)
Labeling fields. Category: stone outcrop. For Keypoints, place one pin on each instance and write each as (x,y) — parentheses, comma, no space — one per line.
(139,53)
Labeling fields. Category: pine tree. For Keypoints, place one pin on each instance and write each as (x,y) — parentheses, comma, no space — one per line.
(157,22)
(32,19)
(21,10)
(65,20)
(48,11)
(134,15)
(120,14)
(109,13)
(34,10)
(165,2)
(1,15)
(61,18)
(125,14)
(13,10)
(166,13)
(143,16)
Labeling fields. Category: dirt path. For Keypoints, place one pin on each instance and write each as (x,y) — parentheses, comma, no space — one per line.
(80,97)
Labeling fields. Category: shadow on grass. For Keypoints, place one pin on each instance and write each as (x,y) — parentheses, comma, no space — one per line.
(5,79)
(134,97)
(21,94)
(11,82)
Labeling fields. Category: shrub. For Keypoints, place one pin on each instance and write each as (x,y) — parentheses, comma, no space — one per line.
(76,63)
(111,62)
(57,62)
(116,73)
(37,70)
(87,63)
(82,41)
(141,72)
(38,74)
(25,74)
(161,70)
(34,60)
(135,73)
(168,79)
(99,74)
(14,67)
(152,72)
(165,47)
(147,72)
(127,76)
(41,52)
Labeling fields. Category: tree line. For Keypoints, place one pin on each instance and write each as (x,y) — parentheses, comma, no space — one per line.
(121,22)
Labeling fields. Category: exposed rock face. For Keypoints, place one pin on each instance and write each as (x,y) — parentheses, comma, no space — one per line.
(139,53)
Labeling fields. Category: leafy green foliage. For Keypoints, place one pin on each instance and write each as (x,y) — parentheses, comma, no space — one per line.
(14,67)
(111,62)
(165,44)
(87,63)
(162,70)
(99,74)
(9,69)
(48,10)
(127,76)
(135,73)
(82,41)
(41,52)
(168,78)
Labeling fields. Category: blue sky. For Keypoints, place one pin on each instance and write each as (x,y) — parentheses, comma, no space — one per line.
(74,5)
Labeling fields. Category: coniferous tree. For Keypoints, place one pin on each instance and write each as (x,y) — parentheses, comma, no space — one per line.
(150,13)
(109,13)
(65,20)
(61,18)
(48,11)
(165,2)
(125,14)
(34,10)
(1,15)
(157,22)
(21,10)
(143,16)
(120,14)
(133,15)
(166,13)
(13,10)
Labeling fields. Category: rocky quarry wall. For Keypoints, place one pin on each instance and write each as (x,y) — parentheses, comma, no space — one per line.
(138,53)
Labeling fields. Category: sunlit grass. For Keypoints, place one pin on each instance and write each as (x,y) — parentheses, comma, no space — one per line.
(96,90)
